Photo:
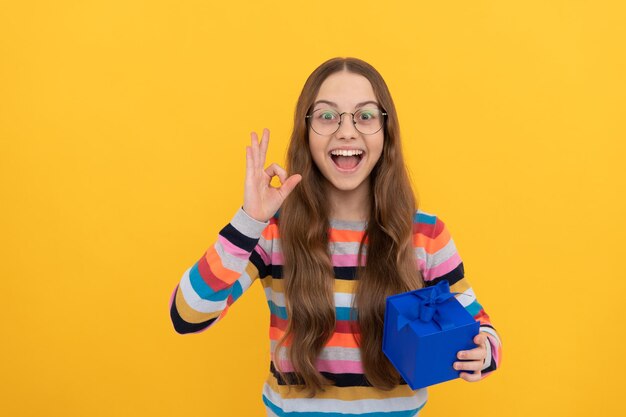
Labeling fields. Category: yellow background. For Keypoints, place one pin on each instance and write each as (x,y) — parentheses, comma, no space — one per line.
(123,127)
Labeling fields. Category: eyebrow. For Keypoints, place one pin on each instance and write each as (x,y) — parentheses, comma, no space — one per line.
(335,104)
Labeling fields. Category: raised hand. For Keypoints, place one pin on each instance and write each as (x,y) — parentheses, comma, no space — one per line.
(261,200)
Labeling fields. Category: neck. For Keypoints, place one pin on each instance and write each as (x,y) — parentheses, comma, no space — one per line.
(352,205)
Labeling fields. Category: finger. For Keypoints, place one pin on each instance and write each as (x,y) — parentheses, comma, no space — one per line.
(480,339)
(471,377)
(473,354)
(254,144)
(249,163)
(276,169)
(265,140)
(289,185)
(468,366)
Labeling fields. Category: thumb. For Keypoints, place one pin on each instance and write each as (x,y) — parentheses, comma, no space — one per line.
(288,186)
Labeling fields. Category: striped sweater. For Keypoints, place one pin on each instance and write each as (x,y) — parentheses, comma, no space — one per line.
(247,250)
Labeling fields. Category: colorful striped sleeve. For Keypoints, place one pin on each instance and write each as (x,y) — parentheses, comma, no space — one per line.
(226,270)
(439,261)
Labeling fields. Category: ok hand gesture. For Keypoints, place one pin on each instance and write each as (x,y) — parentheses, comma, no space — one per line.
(261,200)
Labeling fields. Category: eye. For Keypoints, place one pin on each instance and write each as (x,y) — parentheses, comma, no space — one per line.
(366,115)
(326,116)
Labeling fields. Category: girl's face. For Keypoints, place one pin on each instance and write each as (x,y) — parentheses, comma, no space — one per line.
(346,92)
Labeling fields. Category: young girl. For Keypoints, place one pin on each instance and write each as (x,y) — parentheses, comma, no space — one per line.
(340,235)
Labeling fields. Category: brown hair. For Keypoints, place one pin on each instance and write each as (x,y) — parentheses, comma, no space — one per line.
(391,265)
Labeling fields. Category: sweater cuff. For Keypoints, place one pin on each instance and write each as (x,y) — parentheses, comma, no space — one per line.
(487,362)
(248,226)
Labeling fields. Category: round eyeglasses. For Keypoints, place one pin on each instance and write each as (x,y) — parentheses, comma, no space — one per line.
(327,121)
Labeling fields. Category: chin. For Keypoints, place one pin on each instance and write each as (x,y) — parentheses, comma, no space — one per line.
(347,185)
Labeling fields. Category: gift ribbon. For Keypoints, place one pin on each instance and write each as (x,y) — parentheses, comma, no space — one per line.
(428,307)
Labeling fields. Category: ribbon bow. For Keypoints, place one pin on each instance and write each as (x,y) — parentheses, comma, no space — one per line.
(428,304)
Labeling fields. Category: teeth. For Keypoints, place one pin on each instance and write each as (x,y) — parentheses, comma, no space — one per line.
(338,152)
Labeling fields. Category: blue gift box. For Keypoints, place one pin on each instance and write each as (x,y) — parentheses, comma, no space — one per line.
(423,332)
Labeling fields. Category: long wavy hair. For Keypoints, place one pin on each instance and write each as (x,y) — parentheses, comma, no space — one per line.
(391,265)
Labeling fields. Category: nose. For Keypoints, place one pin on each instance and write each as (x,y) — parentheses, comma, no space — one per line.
(346,126)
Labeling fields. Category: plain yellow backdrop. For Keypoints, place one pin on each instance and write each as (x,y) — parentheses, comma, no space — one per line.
(123,127)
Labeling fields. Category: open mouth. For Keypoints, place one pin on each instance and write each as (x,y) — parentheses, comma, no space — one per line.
(347,161)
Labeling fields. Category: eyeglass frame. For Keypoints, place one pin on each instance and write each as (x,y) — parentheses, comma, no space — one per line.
(382,113)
